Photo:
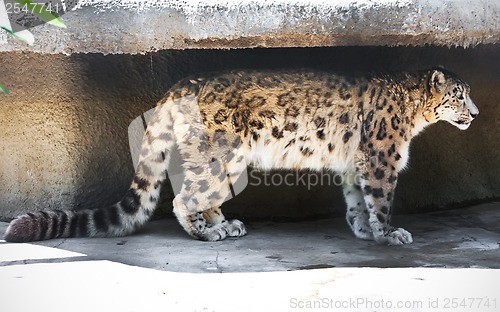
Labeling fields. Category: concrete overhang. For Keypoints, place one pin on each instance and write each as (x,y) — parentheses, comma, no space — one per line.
(141,26)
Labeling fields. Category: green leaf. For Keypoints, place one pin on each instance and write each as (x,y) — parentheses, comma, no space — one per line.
(43,13)
(4,90)
(7,30)
(24,35)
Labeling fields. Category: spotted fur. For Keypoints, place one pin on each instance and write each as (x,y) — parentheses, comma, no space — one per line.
(360,126)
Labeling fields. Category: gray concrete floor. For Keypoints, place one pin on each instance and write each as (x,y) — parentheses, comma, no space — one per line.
(315,266)
(464,238)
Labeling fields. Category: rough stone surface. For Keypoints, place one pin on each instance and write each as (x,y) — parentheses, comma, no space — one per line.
(138,26)
(64,128)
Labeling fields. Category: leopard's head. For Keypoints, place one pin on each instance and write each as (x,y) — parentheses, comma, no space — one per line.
(449,100)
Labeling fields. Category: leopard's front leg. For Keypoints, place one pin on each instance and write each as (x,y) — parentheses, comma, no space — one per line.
(357,213)
(378,187)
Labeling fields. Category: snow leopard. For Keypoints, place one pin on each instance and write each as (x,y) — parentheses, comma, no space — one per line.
(357,125)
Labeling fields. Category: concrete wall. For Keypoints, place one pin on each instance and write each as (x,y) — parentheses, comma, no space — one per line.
(64,128)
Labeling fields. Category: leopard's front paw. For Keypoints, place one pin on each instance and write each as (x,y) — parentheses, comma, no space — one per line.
(399,236)
(395,236)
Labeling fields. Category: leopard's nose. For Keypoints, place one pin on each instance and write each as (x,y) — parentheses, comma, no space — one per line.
(474,115)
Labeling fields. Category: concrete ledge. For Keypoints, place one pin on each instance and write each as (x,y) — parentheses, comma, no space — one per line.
(108,286)
(136,26)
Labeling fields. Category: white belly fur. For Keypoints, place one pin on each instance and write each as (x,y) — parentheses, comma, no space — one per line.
(279,154)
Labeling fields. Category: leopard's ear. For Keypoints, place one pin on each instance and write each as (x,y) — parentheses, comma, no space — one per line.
(437,80)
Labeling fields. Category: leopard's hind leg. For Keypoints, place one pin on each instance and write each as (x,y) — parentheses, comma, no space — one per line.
(206,186)
(197,207)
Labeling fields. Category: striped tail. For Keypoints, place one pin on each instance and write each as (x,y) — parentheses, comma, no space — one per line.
(114,220)
(122,218)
